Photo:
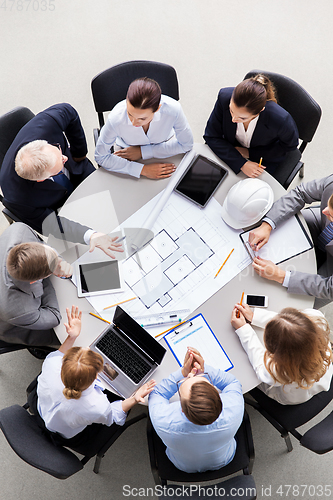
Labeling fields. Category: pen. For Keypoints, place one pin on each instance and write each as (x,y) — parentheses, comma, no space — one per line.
(224,263)
(118,303)
(169,329)
(260,162)
(241,303)
(99,317)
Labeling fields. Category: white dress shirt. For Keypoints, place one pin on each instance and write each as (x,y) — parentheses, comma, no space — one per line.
(168,134)
(68,417)
(244,136)
(290,393)
(191,447)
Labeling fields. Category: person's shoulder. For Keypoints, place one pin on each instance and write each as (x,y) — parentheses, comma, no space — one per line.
(169,105)
(225,94)
(19,233)
(118,113)
(276,111)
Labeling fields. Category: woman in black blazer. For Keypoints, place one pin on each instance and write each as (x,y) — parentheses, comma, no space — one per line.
(247,124)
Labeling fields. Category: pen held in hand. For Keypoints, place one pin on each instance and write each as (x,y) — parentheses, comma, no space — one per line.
(224,263)
(241,303)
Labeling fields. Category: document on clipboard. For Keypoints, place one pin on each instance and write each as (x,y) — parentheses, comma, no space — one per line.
(197,333)
(286,241)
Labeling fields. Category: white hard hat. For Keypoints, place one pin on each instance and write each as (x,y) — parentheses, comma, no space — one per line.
(247,202)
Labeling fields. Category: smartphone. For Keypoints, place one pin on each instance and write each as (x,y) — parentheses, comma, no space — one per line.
(257,300)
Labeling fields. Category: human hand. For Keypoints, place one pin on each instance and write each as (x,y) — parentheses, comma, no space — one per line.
(252,169)
(144,390)
(267,269)
(243,151)
(158,170)
(63,269)
(260,236)
(132,153)
(193,362)
(246,311)
(105,243)
(73,327)
(77,160)
(237,322)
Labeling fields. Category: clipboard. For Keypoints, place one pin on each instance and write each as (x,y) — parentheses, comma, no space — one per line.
(286,241)
(197,333)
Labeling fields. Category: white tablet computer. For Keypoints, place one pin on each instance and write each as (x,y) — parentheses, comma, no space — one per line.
(96,278)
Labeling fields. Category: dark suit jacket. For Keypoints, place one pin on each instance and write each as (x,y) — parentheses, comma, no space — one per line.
(28,312)
(275,134)
(33,201)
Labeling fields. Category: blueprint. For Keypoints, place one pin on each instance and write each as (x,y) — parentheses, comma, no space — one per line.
(176,269)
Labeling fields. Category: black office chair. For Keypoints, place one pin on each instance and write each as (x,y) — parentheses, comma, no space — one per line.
(235,488)
(110,86)
(163,470)
(33,445)
(305,111)
(10,124)
(39,352)
(287,418)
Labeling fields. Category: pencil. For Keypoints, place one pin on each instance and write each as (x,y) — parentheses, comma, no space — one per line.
(168,330)
(241,303)
(99,317)
(260,162)
(118,303)
(224,263)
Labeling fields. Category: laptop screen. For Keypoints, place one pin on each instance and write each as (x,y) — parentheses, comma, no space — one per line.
(139,335)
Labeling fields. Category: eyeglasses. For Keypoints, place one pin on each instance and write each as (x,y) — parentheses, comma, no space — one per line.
(197,375)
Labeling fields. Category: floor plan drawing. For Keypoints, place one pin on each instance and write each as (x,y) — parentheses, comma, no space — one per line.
(176,269)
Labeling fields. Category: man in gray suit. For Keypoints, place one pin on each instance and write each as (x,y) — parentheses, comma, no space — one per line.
(320,223)
(28,307)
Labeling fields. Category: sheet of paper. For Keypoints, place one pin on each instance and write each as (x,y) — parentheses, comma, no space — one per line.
(288,240)
(198,334)
(176,269)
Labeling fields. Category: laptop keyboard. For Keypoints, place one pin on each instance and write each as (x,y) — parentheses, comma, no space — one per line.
(123,356)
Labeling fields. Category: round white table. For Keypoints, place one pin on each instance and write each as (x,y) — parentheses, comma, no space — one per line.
(104,200)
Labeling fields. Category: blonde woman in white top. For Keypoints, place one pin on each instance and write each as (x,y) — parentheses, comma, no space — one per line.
(295,362)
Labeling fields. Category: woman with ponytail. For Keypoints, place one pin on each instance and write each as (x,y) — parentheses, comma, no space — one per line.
(72,402)
(247,124)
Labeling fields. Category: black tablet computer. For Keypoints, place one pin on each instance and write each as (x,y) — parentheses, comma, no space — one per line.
(200,180)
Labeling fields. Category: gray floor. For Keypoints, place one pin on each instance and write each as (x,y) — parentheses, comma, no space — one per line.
(50,56)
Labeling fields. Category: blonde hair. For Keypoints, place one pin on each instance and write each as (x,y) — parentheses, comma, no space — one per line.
(31,261)
(79,370)
(32,161)
(297,348)
(253,93)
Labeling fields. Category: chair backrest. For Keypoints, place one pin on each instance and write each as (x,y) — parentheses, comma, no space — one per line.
(293,416)
(297,101)
(237,488)
(110,86)
(33,446)
(163,469)
(10,124)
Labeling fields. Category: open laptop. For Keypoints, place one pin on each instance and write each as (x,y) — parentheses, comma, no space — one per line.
(130,354)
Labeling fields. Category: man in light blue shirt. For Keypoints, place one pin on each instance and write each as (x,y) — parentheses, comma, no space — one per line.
(145,125)
(198,430)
